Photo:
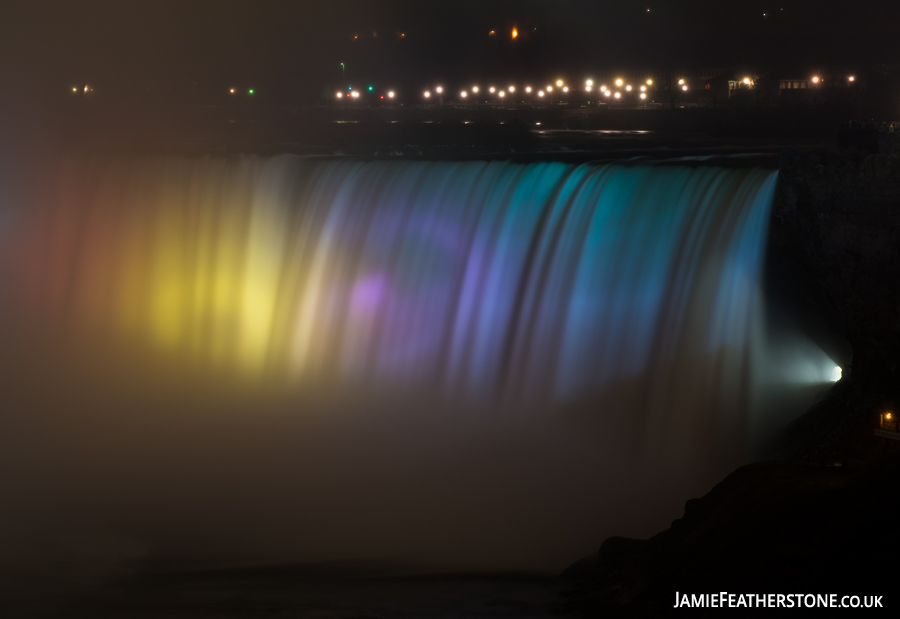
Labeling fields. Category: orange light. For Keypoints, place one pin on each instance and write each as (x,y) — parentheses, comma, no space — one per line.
(515,33)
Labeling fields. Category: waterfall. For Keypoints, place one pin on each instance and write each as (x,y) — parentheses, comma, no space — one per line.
(505,284)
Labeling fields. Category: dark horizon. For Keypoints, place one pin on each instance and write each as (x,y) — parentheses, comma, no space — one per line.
(293,50)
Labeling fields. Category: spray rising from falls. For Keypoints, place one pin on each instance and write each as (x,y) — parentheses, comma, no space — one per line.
(488,282)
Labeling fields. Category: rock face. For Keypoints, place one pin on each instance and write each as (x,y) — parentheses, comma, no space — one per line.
(841,217)
(820,520)
(770,527)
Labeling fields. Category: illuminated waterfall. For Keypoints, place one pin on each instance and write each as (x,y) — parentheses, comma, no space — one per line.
(498,281)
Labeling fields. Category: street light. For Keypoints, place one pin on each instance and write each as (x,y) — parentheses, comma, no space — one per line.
(559,83)
(463,94)
(391,94)
(502,94)
(492,90)
(628,88)
(528,89)
(684,87)
(540,93)
(512,89)
(618,95)
(439,90)
(619,82)
(474,88)
(427,94)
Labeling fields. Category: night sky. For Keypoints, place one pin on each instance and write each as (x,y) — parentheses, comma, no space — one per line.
(294,49)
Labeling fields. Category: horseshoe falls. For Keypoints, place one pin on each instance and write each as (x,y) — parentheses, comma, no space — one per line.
(490,363)
(503,286)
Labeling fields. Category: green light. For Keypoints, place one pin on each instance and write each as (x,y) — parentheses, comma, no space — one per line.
(250,91)
(371,88)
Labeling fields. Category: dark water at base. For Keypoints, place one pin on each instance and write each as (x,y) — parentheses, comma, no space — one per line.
(308,591)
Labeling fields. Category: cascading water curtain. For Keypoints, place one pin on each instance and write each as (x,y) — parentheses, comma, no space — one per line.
(498,283)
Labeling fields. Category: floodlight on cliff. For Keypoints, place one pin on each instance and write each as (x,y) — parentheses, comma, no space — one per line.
(836,374)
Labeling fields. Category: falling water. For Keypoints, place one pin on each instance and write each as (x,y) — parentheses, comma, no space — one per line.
(495,283)
(472,361)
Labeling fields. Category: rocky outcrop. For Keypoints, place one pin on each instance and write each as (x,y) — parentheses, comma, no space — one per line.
(840,216)
(770,527)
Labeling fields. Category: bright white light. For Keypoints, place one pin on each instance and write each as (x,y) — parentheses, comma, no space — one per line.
(493,89)
(649,82)
(427,94)
(391,94)
(607,93)
(439,90)
(747,80)
(464,94)
(86,88)
(603,88)
(232,91)
(589,83)
(528,89)
(540,93)
(815,80)
(684,87)
(680,82)
(565,89)
(76,90)
(628,88)
(512,89)
(836,374)
(851,78)
(549,88)
(340,95)
(619,82)
(587,88)
(502,94)
(354,94)
(643,95)
(559,83)
(474,88)
(618,95)
(643,88)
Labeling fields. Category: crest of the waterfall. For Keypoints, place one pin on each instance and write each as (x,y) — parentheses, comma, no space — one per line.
(494,284)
